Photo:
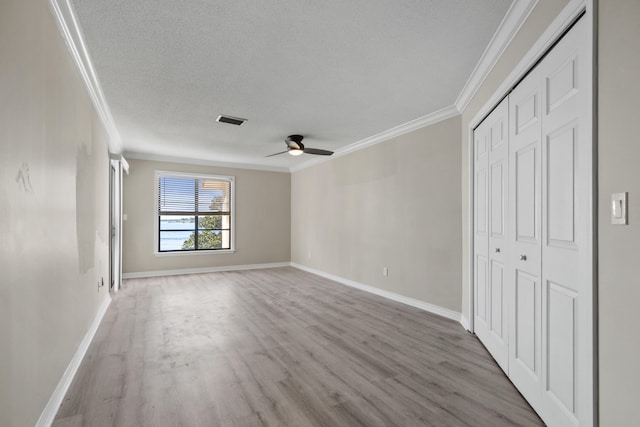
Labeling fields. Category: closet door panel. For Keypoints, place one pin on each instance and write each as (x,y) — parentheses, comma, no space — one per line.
(561,357)
(481,228)
(526,193)
(493,178)
(567,363)
(560,187)
(497,302)
(524,256)
(527,291)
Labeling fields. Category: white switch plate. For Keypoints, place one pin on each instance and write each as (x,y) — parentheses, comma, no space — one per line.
(619,208)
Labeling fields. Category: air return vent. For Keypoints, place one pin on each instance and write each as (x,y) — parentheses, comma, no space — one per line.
(231,120)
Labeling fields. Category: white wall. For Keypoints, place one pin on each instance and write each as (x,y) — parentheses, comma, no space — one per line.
(53,210)
(396,205)
(262,218)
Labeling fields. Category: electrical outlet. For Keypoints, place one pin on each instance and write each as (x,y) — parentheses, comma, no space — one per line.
(385,271)
(309,255)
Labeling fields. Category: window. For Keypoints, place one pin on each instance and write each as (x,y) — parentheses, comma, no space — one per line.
(194,212)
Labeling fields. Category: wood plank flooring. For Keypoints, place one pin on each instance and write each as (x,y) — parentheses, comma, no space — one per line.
(282,347)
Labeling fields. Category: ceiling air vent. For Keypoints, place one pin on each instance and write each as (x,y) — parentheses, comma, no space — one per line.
(231,120)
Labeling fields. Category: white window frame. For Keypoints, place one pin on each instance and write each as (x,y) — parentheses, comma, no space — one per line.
(156,221)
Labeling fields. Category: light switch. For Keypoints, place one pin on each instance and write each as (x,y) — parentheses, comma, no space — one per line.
(619,208)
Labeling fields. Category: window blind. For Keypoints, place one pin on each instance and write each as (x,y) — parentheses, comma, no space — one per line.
(193,196)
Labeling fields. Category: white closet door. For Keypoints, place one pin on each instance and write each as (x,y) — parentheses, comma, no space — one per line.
(492,325)
(566,282)
(533,251)
(524,257)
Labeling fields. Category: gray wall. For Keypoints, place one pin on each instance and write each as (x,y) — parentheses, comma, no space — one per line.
(54,209)
(262,203)
(619,246)
(396,205)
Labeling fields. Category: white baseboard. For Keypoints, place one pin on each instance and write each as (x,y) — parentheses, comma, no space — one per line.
(49,413)
(465,322)
(431,308)
(157,273)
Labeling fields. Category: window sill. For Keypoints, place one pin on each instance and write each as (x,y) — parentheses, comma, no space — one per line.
(189,253)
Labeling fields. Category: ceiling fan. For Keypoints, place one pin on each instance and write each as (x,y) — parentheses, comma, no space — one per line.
(296,148)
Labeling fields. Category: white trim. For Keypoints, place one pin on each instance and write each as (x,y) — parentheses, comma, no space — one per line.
(465,322)
(115,222)
(49,413)
(72,35)
(591,418)
(195,253)
(509,27)
(120,165)
(158,273)
(431,308)
(203,162)
(232,216)
(429,119)
(120,158)
(125,164)
(469,315)
(559,25)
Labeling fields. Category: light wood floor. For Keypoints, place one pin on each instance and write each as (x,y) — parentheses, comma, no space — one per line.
(281,347)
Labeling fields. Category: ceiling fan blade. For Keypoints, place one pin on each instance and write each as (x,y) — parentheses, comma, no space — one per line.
(318,151)
(275,154)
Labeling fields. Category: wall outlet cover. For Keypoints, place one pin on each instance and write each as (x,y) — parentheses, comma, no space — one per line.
(619,208)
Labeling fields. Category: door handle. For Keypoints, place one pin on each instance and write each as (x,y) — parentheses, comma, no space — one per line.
(523,257)
(497,250)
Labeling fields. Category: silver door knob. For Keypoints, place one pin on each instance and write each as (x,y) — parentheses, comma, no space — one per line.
(523,257)
(497,250)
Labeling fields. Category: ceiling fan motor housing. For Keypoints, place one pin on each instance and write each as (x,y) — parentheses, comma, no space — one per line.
(295,141)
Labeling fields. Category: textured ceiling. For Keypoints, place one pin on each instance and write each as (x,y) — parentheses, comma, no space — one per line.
(334,71)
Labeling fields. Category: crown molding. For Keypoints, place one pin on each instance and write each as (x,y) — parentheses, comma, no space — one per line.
(203,162)
(429,119)
(68,24)
(569,14)
(438,116)
(72,35)
(509,27)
